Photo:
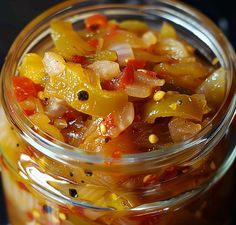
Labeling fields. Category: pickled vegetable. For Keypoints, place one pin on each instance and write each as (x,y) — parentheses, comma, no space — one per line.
(114,73)
(214,87)
(67,42)
(179,105)
(77,89)
(32,68)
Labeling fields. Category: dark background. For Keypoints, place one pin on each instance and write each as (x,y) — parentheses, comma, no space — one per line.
(15,14)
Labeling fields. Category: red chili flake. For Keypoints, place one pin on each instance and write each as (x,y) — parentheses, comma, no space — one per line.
(111,85)
(29,112)
(24,88)
(170,173)
(93,42)
(151,73)
(79,59)
(70,115)
(109,121)
(29,216)
(22,186)
(116,154)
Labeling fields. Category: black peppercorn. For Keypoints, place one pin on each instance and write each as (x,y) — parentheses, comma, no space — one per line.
(71,174)
(73,193)
(88,173)
(107,139)
(83,95)
(47,209)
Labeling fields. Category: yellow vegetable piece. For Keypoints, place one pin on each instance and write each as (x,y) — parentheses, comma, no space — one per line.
(97,102)
(32,68)
(67,41)
(134,26)
(183,74)
(103,55)
(167,31)
(214,87)
(97,195)
(42,121)
(121,37)
(188,107)
(147,56)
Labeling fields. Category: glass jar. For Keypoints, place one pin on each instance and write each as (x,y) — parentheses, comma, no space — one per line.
(47,182)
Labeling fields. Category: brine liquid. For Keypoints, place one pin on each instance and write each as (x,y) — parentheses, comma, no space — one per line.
(28,207)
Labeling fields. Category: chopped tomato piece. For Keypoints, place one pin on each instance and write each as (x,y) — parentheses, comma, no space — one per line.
(127,76)
(137,63)
(24,88)
(93,42)
(79,59)
(116,154)
(29,112)
(95,22)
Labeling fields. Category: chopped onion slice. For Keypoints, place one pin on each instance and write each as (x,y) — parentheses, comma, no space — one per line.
(123,119)
(54,64)
(171,47)
(144,78)
(105,69)
(138,90)
(182,129)
(56,107)
(143,85)
(149,38)
(124,52)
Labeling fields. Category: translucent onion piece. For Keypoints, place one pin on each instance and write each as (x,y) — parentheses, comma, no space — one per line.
(149,38)
(138,90)
(53,63)
(182,129)
(124,53)
(123,118)
(55,107)
(143,85)
(171,47)
(105,69)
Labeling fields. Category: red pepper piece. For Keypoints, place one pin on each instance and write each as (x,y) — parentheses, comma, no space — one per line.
(137,63)
(116,154)
(79,59)
(95,22)
(29,112)
(93,42)
(127,76)
(70,115)
(109,122)
(24,88)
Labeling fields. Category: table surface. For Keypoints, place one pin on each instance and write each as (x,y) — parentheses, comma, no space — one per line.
(14,15)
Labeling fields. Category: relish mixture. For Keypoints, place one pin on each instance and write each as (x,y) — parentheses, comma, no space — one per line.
(118,87)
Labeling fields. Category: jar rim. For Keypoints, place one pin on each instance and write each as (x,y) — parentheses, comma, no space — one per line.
(64,152)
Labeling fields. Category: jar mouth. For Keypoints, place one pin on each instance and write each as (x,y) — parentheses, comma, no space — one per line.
(197,23)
